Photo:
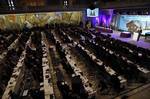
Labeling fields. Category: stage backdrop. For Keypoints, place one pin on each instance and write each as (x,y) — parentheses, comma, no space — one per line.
(134,22)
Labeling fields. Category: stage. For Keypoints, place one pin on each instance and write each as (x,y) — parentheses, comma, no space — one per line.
(141,43)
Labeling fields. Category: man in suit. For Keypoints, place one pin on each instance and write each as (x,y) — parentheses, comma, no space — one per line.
(140,32)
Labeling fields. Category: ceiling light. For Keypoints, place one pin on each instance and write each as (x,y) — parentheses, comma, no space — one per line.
(12,2)
(9,3)
(65,3)
(13,8)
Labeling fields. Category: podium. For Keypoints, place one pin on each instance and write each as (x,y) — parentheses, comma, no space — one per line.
(135,36)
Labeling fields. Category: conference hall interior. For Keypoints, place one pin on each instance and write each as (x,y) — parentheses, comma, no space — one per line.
(74,49)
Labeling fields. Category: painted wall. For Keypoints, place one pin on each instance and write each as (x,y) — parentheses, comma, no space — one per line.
(13,21)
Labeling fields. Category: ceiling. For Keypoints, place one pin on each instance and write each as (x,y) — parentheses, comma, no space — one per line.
(20,6)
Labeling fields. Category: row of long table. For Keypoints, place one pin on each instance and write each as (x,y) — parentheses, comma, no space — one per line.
(108,69)
(77,71)
(13,45)
(48,85)
(15,75)
(145,71)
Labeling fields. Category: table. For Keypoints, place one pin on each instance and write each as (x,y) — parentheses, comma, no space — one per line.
(48,86)
(78,71)
(3,55)
(135,36)
(14,43)
(15,76)
(12,83)
(103,29)
(109,70)
(122,81)
(142,69)
(125,34)
(25,93)
(145,71)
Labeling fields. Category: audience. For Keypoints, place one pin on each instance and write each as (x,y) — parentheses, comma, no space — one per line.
(124,58)
(10,61)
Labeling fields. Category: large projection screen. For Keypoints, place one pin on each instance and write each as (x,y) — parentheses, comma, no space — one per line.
(134,22)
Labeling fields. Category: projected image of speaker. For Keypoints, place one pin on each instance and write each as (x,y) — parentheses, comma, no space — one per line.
(92,12)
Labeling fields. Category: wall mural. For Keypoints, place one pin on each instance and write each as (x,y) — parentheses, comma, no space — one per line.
(18,21)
